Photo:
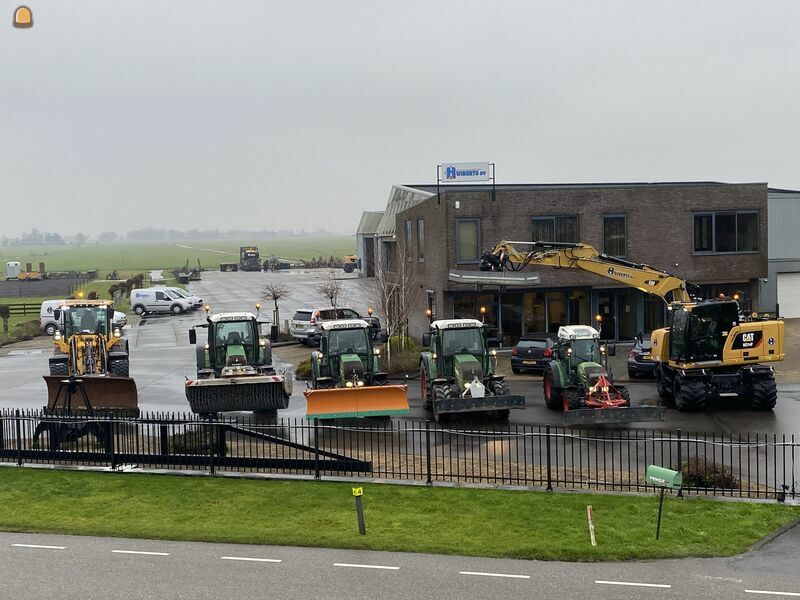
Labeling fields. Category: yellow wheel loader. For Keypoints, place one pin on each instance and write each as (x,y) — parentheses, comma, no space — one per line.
(89,368)
(346,378)
(710,349)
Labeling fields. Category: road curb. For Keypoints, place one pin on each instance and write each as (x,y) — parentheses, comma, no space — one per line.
(770,537)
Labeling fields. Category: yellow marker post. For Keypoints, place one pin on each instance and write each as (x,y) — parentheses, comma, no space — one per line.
(23,17)
(357,493)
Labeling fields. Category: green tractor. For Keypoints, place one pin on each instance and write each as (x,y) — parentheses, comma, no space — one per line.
(346,377)
(457,373)
(579,382)
(234,368)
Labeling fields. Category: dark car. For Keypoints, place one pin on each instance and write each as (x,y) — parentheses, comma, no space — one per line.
(639,362)
(533,352)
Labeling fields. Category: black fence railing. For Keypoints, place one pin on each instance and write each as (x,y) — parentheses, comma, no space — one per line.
(740,465)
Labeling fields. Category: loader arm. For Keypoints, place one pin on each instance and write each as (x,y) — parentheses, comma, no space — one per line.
(582,256)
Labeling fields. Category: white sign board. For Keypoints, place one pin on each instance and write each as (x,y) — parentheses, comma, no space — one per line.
(457,172)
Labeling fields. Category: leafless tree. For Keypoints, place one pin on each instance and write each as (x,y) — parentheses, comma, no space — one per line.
(395,292)
(332,290)
(272,292)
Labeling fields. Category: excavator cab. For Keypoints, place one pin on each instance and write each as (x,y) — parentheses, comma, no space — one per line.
(698,332)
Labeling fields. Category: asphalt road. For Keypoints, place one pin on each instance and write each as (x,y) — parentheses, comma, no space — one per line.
(161,359)
(49,566)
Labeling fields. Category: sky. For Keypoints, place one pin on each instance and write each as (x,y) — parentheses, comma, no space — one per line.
(300,115)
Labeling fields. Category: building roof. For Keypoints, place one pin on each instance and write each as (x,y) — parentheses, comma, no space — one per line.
(448,187)
(782,191)
(370,219)
(400,198)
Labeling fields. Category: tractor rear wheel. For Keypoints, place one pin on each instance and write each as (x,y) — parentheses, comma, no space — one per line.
(690,395)
(765,394)
(552,394)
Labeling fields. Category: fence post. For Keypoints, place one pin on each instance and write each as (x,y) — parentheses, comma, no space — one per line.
(163,439)
(211,443)
(680,463)
(316,448)
(2,434)
(429,481)
(110,442)
(19,439)
(549,465)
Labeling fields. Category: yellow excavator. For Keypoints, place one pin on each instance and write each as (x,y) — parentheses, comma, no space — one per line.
(709,349)
(89,368)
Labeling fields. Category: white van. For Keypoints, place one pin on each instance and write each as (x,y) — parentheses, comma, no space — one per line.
(176,292)
(157,300)
(51,325)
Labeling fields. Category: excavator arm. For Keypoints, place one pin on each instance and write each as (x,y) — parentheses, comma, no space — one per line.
(505,256)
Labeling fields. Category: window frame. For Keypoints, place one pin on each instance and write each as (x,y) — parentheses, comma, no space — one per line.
(736,212)
(554,219)
(468,261)
(624,217)
(408,238)
(420,240)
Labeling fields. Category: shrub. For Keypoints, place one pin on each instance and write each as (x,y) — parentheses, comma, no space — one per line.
(403,362)
(404,343)
(195,441)
(303,369)
(697,473)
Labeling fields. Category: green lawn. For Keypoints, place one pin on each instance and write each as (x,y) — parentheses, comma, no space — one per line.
(135,257)
(497,523)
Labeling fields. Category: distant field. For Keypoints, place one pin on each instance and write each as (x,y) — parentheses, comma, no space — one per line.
(159,255)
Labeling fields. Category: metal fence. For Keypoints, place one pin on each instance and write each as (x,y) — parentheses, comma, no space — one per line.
(741,465)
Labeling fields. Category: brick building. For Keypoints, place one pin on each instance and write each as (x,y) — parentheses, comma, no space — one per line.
(711,234)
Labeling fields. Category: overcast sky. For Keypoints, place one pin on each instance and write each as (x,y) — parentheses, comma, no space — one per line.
(299,115)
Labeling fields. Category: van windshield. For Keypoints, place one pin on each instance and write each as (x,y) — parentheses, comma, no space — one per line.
(173,294)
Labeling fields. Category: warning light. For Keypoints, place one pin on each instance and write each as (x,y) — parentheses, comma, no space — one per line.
(23,18)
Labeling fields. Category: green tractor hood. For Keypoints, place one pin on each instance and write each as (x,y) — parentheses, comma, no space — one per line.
(235,355)
(589,372)
(349,365)
(465,367)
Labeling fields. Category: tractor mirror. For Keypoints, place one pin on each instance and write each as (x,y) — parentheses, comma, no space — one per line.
(192,336)
(381,336)
(611,349)
(640,337)
(426,340)
(323,345)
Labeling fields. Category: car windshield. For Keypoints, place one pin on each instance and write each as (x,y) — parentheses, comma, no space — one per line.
(83,319)
(180,293)
(234,332)
(462,341)
(348,341)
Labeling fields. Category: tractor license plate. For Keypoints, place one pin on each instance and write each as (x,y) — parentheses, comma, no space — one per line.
(528,362)
(299,326)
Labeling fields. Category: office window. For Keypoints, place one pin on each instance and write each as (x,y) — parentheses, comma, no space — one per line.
(408,239)
(468,240)
(614,243)
(420,240)
(726,232)
(555,229)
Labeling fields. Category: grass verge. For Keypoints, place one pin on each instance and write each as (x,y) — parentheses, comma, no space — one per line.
(494,523)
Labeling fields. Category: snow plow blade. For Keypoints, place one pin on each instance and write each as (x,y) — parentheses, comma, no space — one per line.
(344,403)
(103,392)
(603,416)
(469,404)
(253,393)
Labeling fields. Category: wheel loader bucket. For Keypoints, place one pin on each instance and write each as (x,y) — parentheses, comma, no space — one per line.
(342,403)
(611,416)
(102,392)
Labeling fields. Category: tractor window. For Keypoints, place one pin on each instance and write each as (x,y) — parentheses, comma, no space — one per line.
(87,319)
(348,341)
(462,341)
(235,332)
(586,350)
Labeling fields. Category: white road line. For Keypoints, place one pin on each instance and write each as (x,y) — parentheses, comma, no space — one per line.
(38,546)
(268,560)
(634,584)
(494,574)
(769,593)
(140,552)
(356,566)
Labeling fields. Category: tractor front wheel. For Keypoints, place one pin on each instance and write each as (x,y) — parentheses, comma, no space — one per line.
(571,400)
(425,388)
(440,392)
(552,394)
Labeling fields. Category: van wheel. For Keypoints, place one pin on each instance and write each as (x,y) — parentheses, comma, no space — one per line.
(50,329)
(176,309)
(138,309)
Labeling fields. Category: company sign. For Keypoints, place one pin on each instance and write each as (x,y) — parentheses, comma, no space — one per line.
(457,172)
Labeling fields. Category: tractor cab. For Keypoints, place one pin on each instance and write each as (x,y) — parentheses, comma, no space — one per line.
(234,346)
(459,348)
(582,352)
(346,356)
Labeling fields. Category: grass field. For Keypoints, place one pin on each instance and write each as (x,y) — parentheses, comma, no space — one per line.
(496,523)
(136,257)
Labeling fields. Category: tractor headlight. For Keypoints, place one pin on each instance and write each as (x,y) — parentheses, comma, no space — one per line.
(604,389)
(466,386)
(493,353)
(117,333)
(57,335)
(377,351)
(205,347)
(262,343)
(349,384)
(602,349)
(360,383)
(434,356)
(569,351)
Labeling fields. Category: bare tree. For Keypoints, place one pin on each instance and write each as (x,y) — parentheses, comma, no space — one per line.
(332,290)
(274,291)
(395,292)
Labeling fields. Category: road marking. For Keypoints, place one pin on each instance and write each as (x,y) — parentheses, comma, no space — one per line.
(38,546)
(268,560)
(634,584)
(494,574)
(769,593)
(356,566)
(140,552)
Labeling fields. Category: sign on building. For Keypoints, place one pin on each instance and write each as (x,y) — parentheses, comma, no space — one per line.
(458,172)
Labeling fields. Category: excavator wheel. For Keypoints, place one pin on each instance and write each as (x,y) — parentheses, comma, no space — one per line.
(661,385)
(765,394)
(690,396)
(552,394)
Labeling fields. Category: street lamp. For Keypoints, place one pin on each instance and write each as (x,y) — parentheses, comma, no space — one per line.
(428,313)
(483,314)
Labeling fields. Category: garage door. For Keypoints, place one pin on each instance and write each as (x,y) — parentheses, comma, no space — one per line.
(789,294)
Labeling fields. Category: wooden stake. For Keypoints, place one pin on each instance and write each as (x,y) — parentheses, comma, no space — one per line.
(590,516)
